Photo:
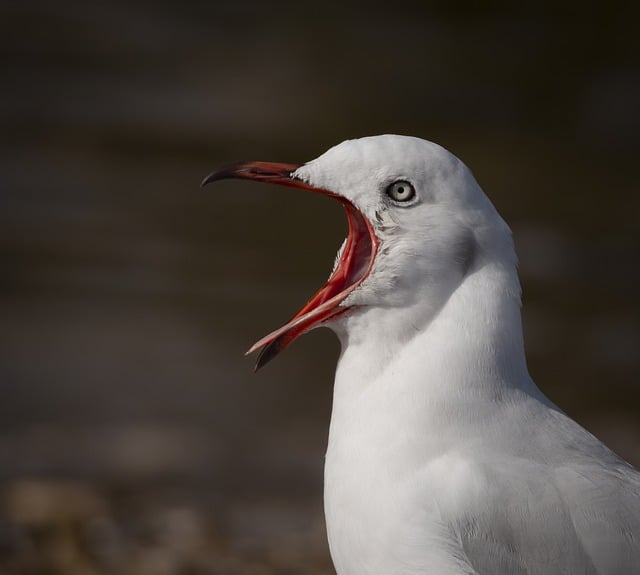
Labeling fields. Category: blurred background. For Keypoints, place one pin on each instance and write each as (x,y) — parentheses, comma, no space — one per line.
(134,437)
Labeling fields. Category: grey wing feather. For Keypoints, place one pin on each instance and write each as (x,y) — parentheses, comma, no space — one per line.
(604,505)
(569,505)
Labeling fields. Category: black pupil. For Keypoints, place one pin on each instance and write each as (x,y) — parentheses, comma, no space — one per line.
(400,190)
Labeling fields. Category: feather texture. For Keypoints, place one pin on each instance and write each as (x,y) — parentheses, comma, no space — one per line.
(444,457)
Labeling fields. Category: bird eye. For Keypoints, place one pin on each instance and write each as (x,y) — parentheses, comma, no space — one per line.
(401,191)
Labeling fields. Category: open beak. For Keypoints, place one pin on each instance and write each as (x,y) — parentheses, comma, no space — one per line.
(354,265)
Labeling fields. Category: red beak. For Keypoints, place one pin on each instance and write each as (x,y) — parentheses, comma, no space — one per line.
(351,270)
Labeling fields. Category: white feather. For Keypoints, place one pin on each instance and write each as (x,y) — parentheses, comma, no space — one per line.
(444,457)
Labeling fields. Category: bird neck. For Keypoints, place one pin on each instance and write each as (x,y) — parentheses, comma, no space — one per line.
(470,347)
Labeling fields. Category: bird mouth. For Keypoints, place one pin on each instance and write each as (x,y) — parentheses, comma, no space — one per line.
(352,267)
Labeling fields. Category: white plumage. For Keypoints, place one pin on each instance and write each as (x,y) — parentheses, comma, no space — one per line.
(444,457)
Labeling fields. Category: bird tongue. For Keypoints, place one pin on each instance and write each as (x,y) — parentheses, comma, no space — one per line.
(353,266)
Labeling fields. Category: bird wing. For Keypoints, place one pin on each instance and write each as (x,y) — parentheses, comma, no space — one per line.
(569,505)
(604,507)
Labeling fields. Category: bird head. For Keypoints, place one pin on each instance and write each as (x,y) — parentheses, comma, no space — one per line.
(418,224)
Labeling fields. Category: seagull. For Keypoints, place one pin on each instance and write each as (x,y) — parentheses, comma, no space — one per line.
(444,457)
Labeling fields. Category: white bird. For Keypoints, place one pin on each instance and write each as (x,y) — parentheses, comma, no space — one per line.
(444,457)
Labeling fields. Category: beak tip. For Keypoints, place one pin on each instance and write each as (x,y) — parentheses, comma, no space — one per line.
(212,177)
(258,363)
(267,353)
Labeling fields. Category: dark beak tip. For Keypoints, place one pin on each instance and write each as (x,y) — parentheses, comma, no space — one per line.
(212,177)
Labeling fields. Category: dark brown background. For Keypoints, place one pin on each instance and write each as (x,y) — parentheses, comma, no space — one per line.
(133,436)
